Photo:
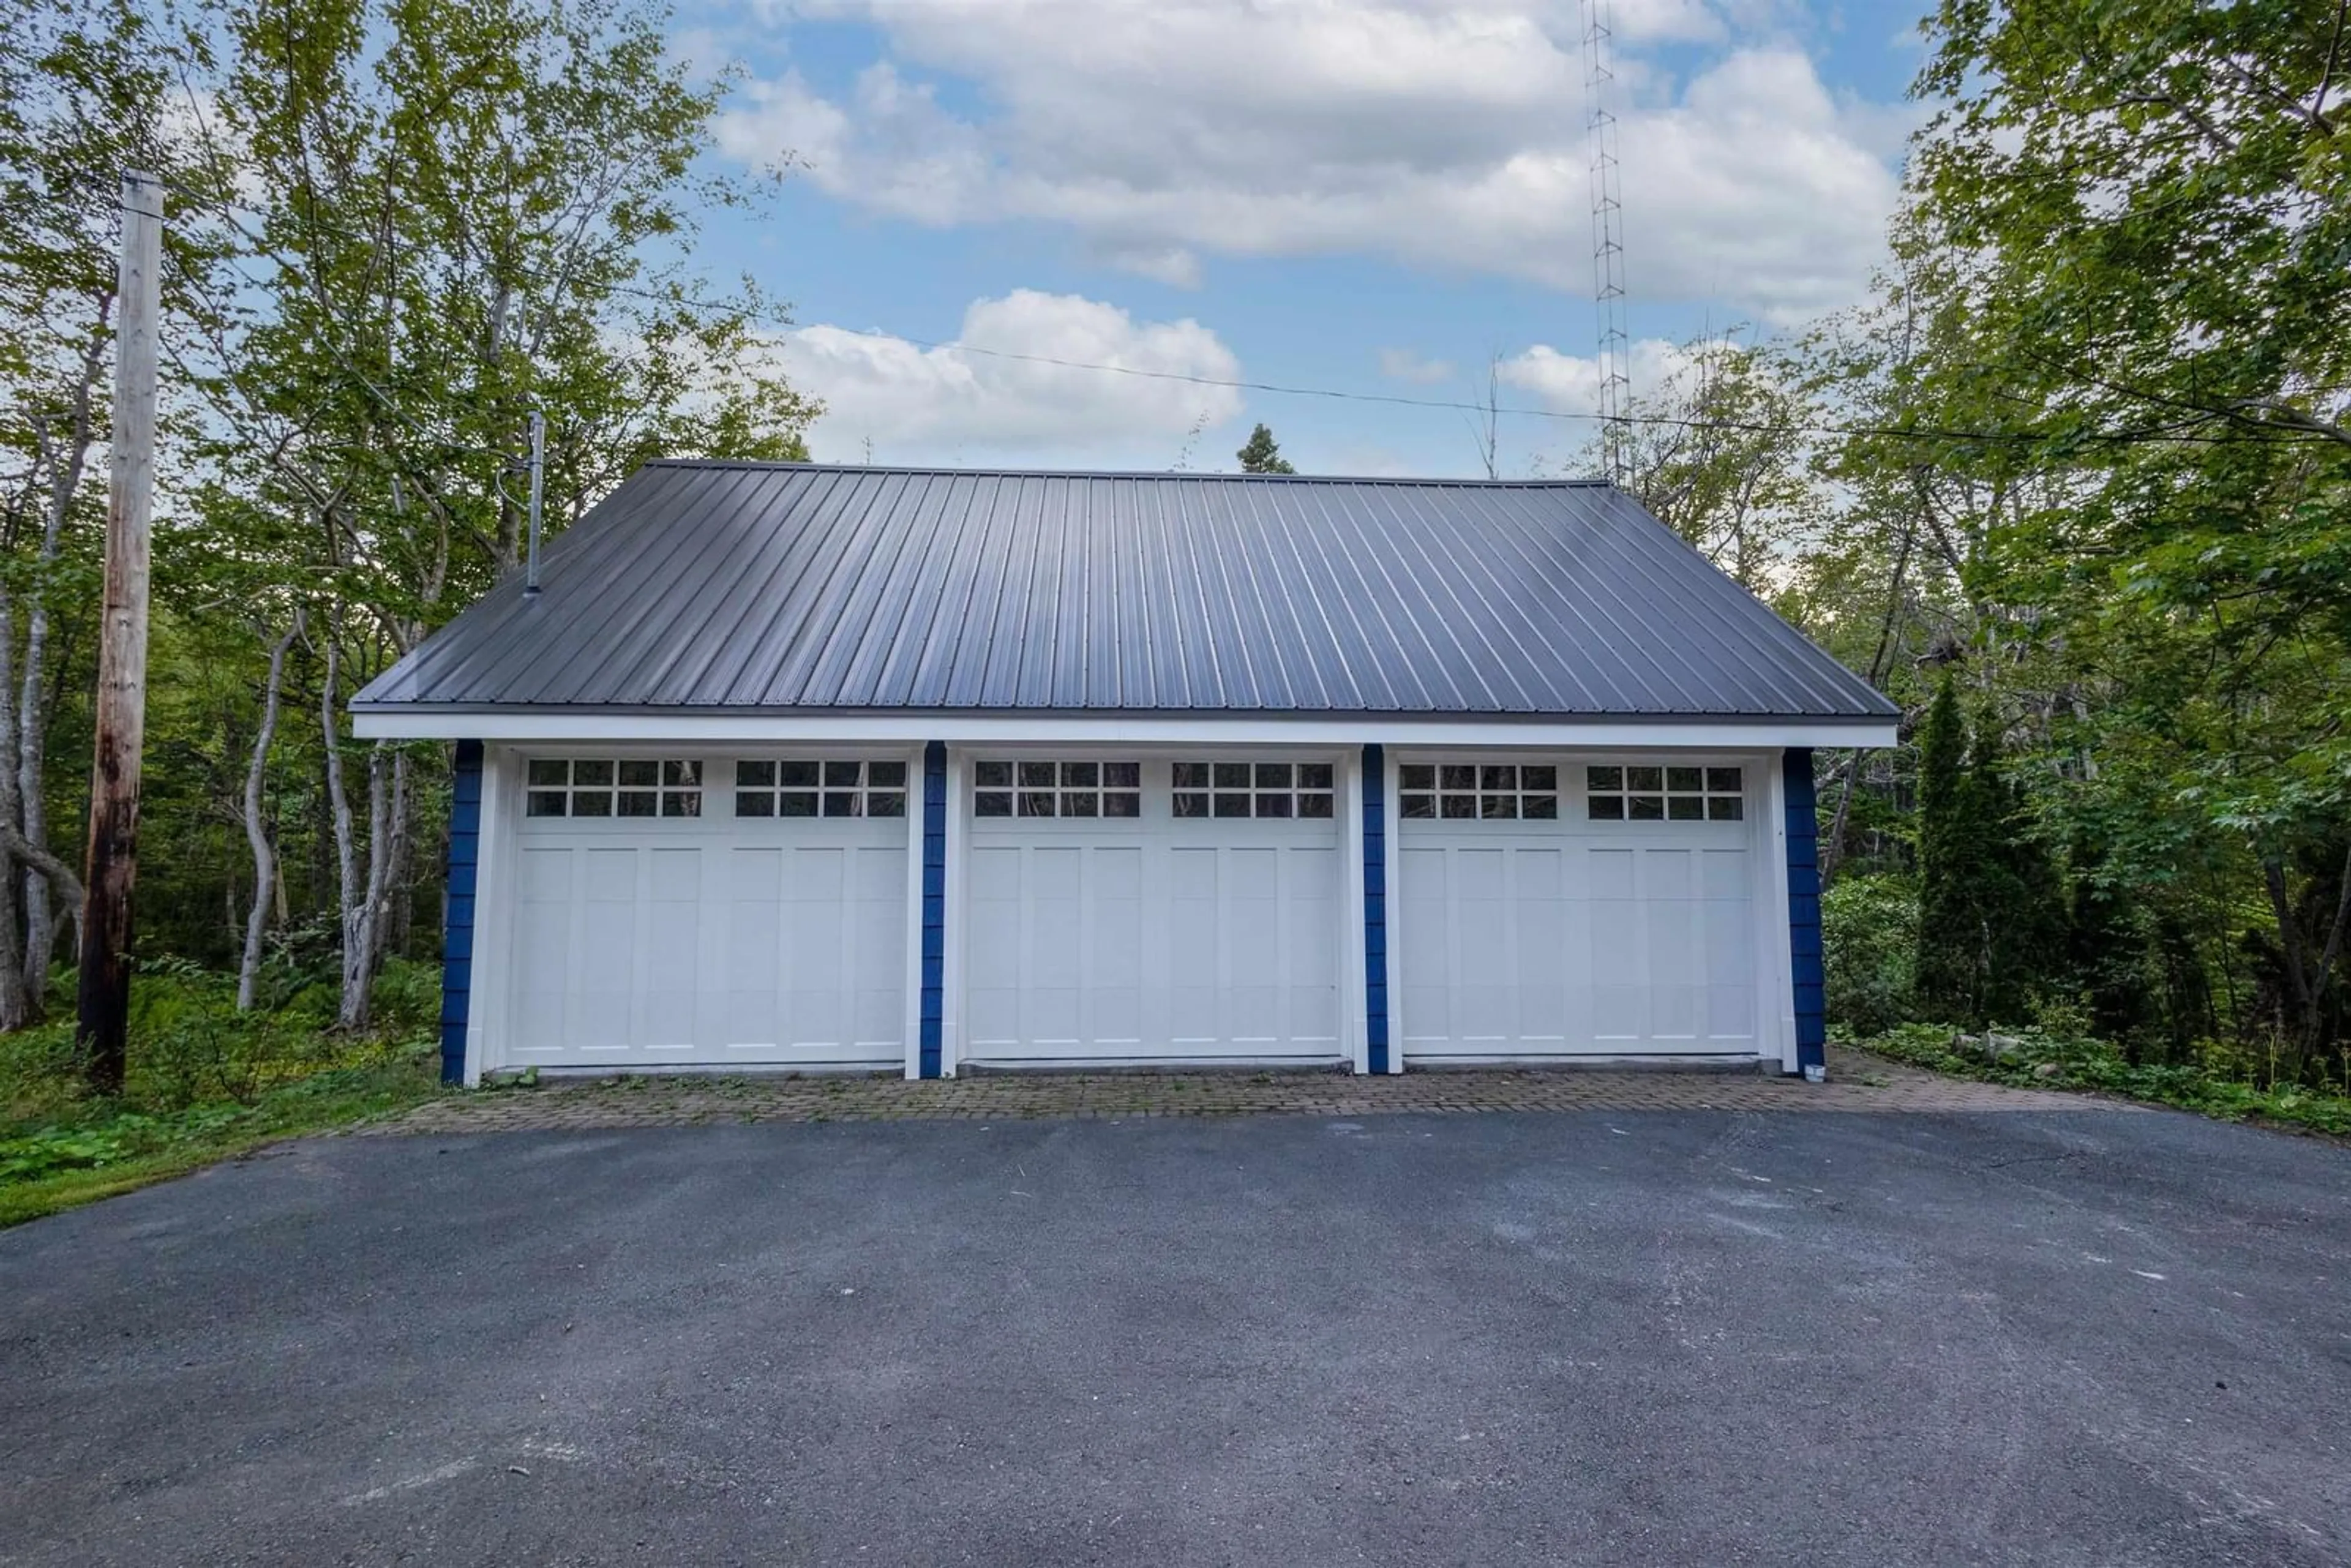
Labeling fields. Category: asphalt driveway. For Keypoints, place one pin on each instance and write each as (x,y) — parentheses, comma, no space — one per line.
(1583,1338)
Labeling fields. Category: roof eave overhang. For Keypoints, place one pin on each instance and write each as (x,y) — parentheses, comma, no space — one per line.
(671,725)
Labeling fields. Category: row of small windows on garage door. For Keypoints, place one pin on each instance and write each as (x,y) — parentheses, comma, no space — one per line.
(1613,792)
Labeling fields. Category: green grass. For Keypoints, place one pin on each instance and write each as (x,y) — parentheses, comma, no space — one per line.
(205,1083)
(2210,1089)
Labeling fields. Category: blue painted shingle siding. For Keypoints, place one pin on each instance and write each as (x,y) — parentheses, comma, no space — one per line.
(935,908)
(1376,908)
(1804,908)
(457,908)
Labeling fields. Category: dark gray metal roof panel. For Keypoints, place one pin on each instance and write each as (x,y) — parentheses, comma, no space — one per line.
(702,585)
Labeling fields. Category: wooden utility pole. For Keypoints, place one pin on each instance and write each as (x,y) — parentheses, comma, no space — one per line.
(113,856)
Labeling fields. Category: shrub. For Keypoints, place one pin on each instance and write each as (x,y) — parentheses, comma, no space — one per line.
(1869,933)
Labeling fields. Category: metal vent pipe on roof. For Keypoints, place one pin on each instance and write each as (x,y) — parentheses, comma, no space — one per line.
(538,490)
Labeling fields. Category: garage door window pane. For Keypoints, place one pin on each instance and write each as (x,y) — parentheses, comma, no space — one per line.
(810,787)
(1275,791)
(1480,791)
(1668,793)
(583,787)
(1065,788)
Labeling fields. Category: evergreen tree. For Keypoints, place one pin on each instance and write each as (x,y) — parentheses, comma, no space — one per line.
(1991,909)
(2018,899)
(1946,938)
(1262,455)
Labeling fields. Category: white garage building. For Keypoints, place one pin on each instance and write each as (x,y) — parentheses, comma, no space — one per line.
(813,767)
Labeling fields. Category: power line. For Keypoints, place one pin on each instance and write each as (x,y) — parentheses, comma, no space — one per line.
(1757,427)
(2180,431)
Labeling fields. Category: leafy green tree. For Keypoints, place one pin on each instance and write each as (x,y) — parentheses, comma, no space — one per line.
(2143,214)
(1261,454)
(1721,456)
(85,93)
(466,215)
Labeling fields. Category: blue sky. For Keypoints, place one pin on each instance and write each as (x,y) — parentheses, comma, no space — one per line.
(1375,196)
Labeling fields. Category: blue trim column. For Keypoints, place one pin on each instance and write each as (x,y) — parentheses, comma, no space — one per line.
(1375,907)
(934,905)
(1804,911)
(457,908)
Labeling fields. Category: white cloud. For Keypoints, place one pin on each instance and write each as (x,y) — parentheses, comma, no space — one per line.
(1446,133)
(1404,365)
(1570,383)
(966,402)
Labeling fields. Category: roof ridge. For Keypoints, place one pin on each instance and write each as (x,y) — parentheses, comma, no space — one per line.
(995,472)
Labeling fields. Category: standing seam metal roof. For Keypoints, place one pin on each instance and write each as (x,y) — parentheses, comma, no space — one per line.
(768,586)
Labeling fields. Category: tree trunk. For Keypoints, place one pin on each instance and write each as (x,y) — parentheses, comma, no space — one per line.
(363,903)
(65,470)
(349,900)
(16,1007)
(256,835)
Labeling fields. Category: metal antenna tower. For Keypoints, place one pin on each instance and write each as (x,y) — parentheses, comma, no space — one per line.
(1607,239)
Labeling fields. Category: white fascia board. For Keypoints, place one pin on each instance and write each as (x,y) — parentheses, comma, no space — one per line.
(526,725)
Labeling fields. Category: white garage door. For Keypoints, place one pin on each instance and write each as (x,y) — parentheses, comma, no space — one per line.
(1122,910)
(694,911)
(1575,908)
